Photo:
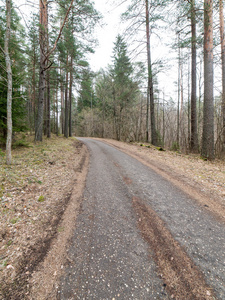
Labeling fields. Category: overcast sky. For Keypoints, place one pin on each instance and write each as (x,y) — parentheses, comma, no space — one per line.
(106,35)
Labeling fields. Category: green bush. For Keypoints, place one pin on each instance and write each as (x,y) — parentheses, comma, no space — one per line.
(21,143)
(175,146)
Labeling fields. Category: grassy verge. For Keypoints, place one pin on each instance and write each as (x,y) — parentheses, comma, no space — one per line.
(34,192)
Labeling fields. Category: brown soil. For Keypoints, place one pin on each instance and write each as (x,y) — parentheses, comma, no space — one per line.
(203,180)
(181,277)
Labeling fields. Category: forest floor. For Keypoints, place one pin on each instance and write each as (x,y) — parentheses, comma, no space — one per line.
(41,194)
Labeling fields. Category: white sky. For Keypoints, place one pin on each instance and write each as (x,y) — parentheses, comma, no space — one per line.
(106,35)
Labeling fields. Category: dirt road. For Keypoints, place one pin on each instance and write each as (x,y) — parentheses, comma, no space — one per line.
(139,237)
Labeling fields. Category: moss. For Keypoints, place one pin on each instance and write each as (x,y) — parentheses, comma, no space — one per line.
(204,158)
(1,191)
(160,148)
(41,199)
(4,263)
(60,229)
(9,243)
(14,220)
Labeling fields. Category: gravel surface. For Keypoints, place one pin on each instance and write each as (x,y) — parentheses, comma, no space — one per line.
(108,257)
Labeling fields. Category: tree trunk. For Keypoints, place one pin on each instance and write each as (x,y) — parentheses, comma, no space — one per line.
(147,115)
(194,131)
(70,97)
(222,39)
(62,98)
(34,89)
(66,134)
(56,108)
(48,99)
(189,108)
(208,108)
(178,95)
(150,79)
(48,108)
(43,63)
(9,84)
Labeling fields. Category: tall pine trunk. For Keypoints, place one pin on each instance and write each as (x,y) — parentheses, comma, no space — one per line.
(194,131)
(150,79)
(9,83)
(222,39)
(48,98)
(66,133)
(70,97)
(43,63)
(208,108)
(48,108)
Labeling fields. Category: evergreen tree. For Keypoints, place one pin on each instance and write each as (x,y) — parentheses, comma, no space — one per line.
(86,98)
(18,62)
(123,92)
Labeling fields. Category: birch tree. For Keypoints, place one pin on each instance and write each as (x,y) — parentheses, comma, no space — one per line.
(222,40)
(9,83)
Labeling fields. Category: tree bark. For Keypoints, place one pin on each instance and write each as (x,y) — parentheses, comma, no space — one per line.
(9,84)
(48,98)
(43,63)
(66,134)
(178,95)
(44,57)
(48,108)
(208,108)
(70,97)
(150,79)
(194,131)
(222,40)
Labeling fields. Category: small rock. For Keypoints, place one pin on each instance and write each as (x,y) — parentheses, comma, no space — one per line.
(10,267)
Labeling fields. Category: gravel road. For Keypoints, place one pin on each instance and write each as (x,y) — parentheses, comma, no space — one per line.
(109,258)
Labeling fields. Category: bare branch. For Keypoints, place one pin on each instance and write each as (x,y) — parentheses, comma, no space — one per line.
(60,32)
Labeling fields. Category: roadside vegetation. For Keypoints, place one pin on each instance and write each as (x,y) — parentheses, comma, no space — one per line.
(34,193)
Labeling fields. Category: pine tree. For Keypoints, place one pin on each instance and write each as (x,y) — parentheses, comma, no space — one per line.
(208,109)
(123,87)
(194,131)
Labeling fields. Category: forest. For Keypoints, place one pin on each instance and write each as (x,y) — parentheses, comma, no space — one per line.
(48,87)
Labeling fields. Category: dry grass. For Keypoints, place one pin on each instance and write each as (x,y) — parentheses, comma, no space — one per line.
(34,192)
